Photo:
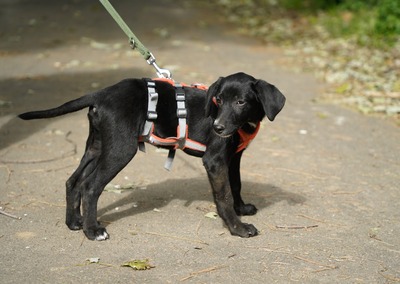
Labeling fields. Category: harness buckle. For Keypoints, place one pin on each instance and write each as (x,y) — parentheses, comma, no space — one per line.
(153,97)
(151,115)
(181,113)
(180,97)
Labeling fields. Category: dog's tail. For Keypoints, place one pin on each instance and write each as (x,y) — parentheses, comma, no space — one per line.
(68,107)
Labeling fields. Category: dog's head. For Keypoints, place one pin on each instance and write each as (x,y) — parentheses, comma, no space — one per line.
(238,99)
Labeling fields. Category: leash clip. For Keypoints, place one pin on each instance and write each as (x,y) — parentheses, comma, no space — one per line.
(161,73)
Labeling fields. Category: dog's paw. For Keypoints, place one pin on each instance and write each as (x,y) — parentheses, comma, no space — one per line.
(75,224)
(244,230)
(97,234)
(245,210)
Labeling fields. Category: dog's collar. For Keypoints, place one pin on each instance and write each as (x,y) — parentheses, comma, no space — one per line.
(246,137)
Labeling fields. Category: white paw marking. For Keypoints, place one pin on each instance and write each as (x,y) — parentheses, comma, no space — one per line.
(102,237)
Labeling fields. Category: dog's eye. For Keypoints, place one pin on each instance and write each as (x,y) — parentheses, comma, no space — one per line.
(240,102)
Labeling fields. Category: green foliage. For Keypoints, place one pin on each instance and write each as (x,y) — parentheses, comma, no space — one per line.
(308,5)
(369,22)
(357,5)
(375,22)
(388,18)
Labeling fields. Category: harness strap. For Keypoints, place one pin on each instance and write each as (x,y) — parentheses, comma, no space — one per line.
(170,160)
(151,112)
(181,113)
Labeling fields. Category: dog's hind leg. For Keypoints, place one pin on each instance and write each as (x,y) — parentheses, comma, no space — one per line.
(73,184)
(115,155)
(236,186)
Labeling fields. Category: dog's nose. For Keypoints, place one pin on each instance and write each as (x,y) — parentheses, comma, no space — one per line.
(219,128)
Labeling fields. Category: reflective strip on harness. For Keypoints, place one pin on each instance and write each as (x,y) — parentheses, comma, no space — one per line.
(151,107)
(181,113)
(174,142)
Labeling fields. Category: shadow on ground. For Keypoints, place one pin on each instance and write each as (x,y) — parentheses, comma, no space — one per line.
(191,190)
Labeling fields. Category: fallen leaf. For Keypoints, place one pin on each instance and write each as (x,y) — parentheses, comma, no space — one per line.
(112,188)
(322,115)
(25,235)
(5,103)
(211,215)
(139,264)
(93,260)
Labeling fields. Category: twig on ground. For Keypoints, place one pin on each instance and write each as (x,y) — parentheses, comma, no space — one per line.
(210,269)
(320,221)
(8,172)
(198,227)
(390,277)
(83,239)
(270,250)
(324,269)
(346,192)
(36,202)
(270,226)
(316,263)
(295,227)
(9,215)
(178,238)
(50,170)
(311,218)
(305,173)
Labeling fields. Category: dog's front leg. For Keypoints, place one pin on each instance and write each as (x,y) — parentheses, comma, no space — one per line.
(218,175)
(236,185)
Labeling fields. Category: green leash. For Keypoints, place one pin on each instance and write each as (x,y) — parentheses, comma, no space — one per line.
(135,42)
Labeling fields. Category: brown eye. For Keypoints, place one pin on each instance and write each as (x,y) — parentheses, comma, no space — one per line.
(218,100)
(240,102)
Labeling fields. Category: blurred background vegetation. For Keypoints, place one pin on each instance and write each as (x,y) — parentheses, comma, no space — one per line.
(354,45)
(371,22)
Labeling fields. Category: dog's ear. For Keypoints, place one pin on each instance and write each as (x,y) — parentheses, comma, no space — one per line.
(270,97)
(211,109)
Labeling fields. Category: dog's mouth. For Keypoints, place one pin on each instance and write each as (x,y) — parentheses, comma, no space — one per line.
(225,135)
(248,127)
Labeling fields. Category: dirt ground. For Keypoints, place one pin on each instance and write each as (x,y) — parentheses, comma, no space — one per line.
(325,179)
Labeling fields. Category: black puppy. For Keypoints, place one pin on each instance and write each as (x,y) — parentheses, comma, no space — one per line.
(117,115)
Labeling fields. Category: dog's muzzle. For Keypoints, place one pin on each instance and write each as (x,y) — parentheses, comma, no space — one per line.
(220,129)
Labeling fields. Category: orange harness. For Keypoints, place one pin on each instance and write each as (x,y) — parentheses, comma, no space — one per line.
(182,141)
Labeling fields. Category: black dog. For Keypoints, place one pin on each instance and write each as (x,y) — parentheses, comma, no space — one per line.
(117,115)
